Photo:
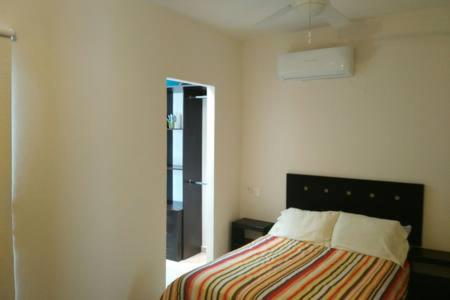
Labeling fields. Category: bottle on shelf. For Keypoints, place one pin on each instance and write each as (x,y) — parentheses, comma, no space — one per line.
(174,121)
(171,119)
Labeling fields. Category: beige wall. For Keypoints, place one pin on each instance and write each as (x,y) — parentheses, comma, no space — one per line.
(390,121)
(90,141)
(6,253)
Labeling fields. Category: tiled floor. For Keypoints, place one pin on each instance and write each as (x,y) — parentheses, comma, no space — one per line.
(175,269)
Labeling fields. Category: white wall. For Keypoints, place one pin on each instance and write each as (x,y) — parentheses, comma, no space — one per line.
(390,121)
(6,253)
(90,138)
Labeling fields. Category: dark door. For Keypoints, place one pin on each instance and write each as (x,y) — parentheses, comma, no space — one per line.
(192,170)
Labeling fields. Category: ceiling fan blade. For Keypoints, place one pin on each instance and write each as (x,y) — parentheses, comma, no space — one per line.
(279,13)
(333,17)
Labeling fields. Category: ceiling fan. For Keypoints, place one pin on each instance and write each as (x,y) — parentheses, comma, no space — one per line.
(311,8)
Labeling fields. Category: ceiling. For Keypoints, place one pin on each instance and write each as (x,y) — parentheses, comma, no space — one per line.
(240,17)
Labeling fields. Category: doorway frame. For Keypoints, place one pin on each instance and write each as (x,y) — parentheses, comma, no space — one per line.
(208,162)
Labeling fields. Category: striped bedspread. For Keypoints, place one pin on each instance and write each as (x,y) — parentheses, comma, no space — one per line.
(280,268)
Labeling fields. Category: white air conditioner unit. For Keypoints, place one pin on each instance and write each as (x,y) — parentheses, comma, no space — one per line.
(316,64)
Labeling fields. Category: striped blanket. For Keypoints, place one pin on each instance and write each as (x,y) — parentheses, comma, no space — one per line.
(281,268)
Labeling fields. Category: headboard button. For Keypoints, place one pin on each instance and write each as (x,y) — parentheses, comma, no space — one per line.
(372,195)
(397,197)
(305,188)
(325,191)
(349,193)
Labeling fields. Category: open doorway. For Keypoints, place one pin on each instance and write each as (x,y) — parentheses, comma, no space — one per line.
(190,176)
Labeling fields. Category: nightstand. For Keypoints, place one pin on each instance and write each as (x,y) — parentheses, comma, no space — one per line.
(430,274)
(243,231)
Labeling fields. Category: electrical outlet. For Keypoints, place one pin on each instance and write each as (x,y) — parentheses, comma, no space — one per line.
(254,191)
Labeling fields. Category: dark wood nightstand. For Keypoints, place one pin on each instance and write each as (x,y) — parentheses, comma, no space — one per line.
(430,274)
(243,231)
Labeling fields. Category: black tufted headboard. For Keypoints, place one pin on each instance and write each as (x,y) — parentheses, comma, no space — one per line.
(381,199)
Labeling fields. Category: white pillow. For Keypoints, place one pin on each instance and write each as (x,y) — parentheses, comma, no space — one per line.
(304,225)
(382,238)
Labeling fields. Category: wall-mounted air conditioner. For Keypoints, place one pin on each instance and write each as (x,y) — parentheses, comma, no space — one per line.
(316,64)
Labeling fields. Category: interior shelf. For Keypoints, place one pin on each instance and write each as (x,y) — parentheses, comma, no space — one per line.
(170,168)
(175,205)
(171,129)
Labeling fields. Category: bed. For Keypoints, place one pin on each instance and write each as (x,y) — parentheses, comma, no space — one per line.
(274,267)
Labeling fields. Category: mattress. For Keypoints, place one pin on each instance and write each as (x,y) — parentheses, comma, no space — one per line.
(280,268)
